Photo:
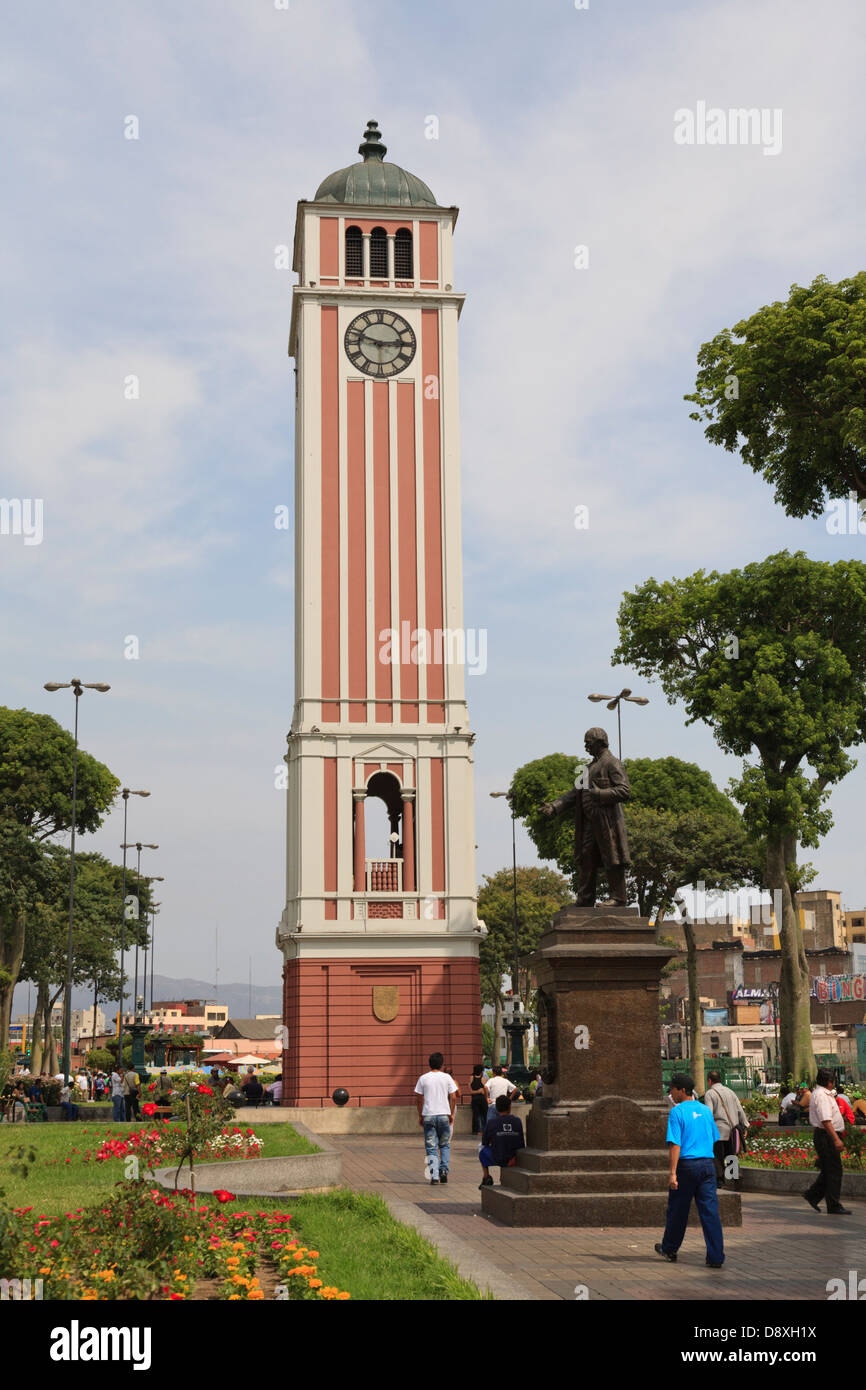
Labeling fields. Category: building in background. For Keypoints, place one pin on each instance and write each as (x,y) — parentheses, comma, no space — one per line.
(821,919)
(379,934)
(82,1022)
(855,926)
(261,1037)
(183,1016)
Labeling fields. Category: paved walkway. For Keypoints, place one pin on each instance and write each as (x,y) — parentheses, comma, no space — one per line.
(782,1251)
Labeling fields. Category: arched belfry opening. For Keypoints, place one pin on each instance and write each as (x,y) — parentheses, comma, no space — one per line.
(384,836)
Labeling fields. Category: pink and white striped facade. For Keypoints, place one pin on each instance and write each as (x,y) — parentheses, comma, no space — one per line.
(377,550)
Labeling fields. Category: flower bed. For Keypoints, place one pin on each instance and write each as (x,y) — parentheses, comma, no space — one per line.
(166,1142)
(144,1243)
(793,1152)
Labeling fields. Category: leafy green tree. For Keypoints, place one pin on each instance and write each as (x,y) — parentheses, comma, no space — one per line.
(681,828)
(787,387)
(772,658)
(23,874)
(98,889)
(36,765)
(540,893)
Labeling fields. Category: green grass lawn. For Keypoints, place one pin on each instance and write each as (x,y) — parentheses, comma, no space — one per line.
(61,1179)
(362,1248)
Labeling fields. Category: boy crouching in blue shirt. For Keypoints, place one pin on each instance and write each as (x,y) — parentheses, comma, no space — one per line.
(502,1140)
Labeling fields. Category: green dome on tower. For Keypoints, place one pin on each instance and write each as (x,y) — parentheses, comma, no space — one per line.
(373,182)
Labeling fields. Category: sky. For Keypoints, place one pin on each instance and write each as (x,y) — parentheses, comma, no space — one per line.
(160,569)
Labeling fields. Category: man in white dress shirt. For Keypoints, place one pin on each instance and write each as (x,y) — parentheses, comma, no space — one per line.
(827,1124)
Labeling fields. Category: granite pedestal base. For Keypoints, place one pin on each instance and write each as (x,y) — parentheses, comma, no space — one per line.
(596,1142)
(584,1182)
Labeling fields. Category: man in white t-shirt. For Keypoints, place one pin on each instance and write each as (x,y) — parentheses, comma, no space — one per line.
(437,1094)
(499,1085)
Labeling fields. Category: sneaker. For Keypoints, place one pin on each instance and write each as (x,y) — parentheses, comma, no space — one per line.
(443,1177)
(434,1182)
(838,1211)
(813,1205)
(486,1182)
(664,1254)
(712,1265)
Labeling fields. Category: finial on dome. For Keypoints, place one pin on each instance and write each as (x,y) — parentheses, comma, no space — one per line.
(371,146)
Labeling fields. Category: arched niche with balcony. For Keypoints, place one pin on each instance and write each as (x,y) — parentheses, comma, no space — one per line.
(392,868)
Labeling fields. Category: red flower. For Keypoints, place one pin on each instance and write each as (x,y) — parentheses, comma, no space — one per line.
(205,1090)
(223,1196)
(149,1109)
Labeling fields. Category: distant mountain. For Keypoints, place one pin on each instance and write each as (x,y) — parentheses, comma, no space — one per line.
(241,1001)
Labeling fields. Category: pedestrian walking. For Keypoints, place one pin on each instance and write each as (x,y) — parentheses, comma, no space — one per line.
(131,1086)
(503,1140)
(728,1113)
(437,1094)
(499,1085)
(118,1107)
(692,1134)
(478,1099)
(827,1124)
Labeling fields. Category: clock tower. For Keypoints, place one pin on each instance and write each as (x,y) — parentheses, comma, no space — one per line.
(379,934)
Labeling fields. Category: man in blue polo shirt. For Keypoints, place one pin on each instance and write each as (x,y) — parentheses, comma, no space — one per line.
(692,1133)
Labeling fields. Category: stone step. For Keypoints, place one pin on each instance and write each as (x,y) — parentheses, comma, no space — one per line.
(628,1180)
(594,1208)
(585,1160)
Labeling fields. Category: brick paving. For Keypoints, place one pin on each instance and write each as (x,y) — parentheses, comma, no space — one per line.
(782,1251)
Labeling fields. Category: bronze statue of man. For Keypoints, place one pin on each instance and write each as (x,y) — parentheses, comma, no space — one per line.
(599,824)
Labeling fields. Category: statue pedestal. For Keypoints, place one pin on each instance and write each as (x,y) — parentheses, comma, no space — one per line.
(596,1152)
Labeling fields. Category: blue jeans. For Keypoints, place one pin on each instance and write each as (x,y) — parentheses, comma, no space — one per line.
(696,1177)
(118,1109)
(437,1142)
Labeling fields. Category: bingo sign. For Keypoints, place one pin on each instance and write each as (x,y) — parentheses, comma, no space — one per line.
(838,989)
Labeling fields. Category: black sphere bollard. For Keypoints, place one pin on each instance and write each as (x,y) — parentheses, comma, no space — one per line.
(340,1096)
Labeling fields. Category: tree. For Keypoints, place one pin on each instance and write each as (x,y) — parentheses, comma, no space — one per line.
(540,893)
(22,874)
(36,763)
(98,888)
(788,388)
(772,658)
(681,828)
(534,784)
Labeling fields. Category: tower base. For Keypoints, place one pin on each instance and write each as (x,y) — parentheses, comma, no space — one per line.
(367,1025)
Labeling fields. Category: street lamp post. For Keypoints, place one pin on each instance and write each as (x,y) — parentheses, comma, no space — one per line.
(126,793)
(151,878)
(614,703)
(138,846)
(76,686)
(515,1028)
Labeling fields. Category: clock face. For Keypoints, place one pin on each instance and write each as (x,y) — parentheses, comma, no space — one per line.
(380,343)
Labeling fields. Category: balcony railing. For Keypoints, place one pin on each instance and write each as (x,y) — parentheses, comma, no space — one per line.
(384,875)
